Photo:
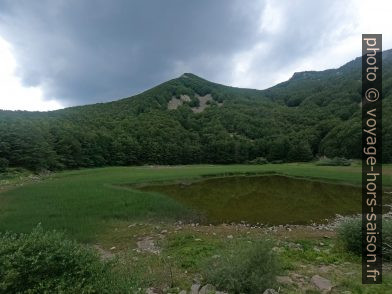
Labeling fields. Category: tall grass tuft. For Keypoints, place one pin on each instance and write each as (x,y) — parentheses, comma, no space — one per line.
(350,234)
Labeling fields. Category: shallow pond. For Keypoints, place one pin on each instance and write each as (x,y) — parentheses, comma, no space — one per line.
(264,199)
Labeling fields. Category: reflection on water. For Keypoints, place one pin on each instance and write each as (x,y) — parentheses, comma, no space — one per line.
(264,199)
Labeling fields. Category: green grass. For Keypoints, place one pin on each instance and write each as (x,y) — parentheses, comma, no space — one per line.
(97,205)
(83,202)
(188,250)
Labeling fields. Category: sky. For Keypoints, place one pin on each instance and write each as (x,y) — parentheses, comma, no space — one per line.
(61,53)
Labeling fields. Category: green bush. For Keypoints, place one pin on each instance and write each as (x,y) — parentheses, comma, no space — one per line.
(250,269)
(45,262)
(258,160)
(3,164)
(350,233)
(336,161)
(195,102)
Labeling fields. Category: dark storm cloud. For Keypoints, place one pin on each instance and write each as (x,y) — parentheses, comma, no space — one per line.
(88,51)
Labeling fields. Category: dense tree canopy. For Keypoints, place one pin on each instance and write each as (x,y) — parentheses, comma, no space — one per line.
(312,114)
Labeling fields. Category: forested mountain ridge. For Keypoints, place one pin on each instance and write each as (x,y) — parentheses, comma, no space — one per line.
(311,114)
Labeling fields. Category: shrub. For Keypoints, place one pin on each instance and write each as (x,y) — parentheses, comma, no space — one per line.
(258,160)
(45,262)
(195,102)
(350,233)
(336,161)
(3,164)
(299,151)
(250,269)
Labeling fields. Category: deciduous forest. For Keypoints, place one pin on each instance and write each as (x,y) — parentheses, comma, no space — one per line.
(313,114)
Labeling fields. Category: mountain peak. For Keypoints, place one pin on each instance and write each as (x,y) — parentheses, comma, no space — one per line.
(186,75)
(189,75)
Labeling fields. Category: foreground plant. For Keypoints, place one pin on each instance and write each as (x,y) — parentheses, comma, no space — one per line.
(252,268)
(350,234)
(45,262)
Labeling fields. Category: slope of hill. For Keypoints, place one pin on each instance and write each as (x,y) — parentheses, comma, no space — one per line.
(312,114)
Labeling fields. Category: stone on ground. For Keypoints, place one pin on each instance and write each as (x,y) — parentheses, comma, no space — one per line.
(147,244)
(284,280)
(195,288)
(207,289)
(321,283)
(151,291)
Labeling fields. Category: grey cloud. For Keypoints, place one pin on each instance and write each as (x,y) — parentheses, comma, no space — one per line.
(89,51)
(95,50)
(308,27)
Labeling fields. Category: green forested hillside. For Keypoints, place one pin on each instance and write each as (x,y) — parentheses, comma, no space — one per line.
(312,114)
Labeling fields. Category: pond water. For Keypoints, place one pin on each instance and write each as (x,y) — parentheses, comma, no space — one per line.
(270,200)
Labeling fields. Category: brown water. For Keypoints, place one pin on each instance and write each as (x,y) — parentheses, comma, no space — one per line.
(264,199)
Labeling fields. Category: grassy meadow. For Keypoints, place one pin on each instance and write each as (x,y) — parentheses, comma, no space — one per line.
(99,207)
(81,202)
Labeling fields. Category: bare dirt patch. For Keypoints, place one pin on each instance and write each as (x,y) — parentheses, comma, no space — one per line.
(175,102)
(203,103)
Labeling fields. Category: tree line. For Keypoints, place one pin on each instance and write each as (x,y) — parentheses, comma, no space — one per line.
(313,114)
